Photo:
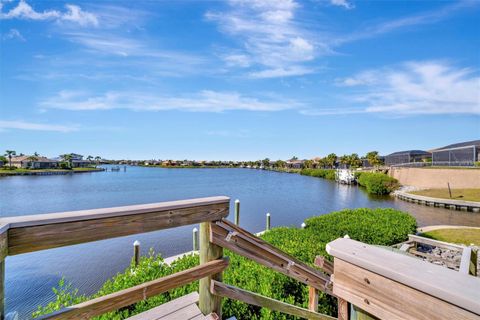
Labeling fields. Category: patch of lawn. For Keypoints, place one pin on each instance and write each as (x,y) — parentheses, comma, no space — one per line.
(458,235)
(457,194)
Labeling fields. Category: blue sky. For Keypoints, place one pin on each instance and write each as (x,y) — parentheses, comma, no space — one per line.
(237,79)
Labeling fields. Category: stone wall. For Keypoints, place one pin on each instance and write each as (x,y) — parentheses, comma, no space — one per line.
(437,178)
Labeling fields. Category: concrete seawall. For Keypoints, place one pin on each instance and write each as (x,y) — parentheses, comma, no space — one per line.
(427,178)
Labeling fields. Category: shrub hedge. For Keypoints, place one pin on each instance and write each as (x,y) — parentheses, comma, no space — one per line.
(319,173)
(374,226)
(377,183)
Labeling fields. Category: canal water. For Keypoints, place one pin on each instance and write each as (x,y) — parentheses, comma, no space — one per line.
(290,198)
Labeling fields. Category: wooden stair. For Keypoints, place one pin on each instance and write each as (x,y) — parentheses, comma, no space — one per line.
(183,308)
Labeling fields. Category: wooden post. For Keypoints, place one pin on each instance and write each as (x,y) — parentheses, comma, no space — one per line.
(136,252)
(195,239)
(3,255)
(208,302)
(268,222)
(473,262)
(312,299)
(342,309)
(237,212)
(449,190)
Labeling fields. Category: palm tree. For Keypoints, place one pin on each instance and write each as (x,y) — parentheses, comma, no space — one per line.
(373,158)
(331,160)
(90,158)
(68,158)
(9,154)
(354,160)
(98,158)
(344,160)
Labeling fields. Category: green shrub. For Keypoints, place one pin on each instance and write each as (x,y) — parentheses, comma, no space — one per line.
(377,183)
(374,226)
(477,164)
(319,173)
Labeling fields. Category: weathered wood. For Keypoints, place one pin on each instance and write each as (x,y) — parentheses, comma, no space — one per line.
(388,299)
(324,264)
(312,299)
(473,262)
(49,233)
(465,261)
(436,243)
(436,281)
(229,291)
(342,308)
(167,308)
(209,251)
(236,239)
(143,291)
(3,254)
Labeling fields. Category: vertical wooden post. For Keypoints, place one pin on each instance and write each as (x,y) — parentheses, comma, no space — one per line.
(208,302)
(3,255)
(136,252)
(473,262)
(312,299)
(237,212)
(268,222)
(342,309)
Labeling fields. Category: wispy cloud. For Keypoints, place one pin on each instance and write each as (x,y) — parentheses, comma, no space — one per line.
(342,3)
(13,34)
(203,101)
(273,44)
(25,125)
(423,18)
(73,13)
(428,87)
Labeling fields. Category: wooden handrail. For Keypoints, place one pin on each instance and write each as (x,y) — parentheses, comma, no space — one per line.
(226,234)
(39,232)
(229,291)
(137,293)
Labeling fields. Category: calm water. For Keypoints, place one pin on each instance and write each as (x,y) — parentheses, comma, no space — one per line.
(290,198)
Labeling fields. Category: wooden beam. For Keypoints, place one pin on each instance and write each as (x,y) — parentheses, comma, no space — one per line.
(228,291)
(435,243)
(468,263)
(436,281)
(28,235)
(3,254)
(387,299)
(312,299)
(324,264)
(342,308)
(138,293)
(240,241)
(208,302)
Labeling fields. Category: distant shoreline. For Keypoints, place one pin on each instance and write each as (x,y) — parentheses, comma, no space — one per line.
(187,167)
(45,172)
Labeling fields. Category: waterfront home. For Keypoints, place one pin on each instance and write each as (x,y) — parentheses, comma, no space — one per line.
(457,154)
(295,164)
(33,162)
(407,157)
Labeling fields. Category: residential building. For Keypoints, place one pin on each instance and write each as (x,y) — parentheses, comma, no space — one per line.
(31,162)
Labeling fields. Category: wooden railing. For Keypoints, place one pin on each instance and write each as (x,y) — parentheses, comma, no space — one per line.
(371,281)
(26,234)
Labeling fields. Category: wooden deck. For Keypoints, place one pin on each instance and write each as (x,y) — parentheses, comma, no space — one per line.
(183,308)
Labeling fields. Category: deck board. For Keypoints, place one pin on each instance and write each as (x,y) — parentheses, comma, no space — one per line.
(169,308)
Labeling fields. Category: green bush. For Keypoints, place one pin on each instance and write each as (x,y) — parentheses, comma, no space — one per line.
(319,173)
(374,226)
(477,164)
(377,183)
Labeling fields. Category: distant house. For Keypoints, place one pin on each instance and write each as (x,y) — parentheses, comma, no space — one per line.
(457,154)
(77,160)
(295,164)
(27,162)
(407,157)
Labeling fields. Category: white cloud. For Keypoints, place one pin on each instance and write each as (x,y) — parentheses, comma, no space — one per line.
(13,34)
(73,14)
(24,125)
(429,87)
(342,3)
(203,101)
(270,39)
(427,17)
